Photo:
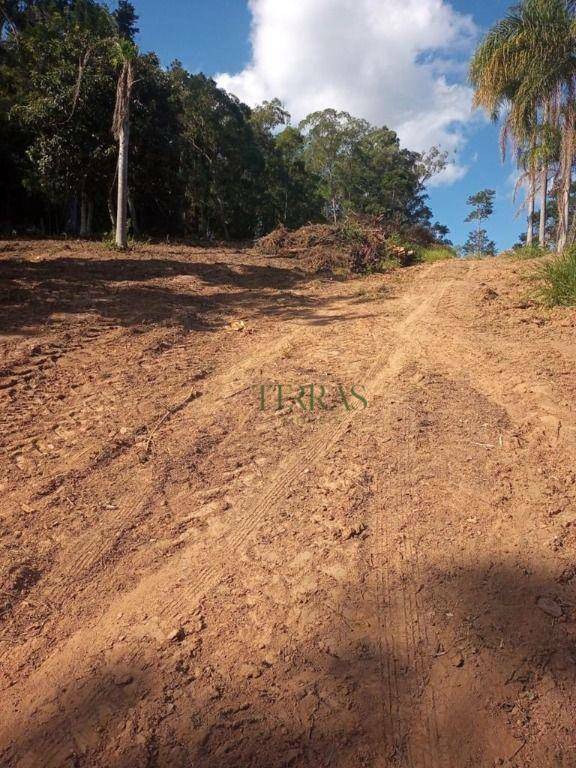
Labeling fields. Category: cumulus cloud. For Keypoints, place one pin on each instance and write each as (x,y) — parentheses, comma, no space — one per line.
(392,62)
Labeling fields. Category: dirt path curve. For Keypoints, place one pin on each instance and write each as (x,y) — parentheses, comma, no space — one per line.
(231,585)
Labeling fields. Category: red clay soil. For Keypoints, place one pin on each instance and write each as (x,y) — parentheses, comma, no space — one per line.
(188,579)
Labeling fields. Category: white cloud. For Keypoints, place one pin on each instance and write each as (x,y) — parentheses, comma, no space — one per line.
(392,62)
(453,172)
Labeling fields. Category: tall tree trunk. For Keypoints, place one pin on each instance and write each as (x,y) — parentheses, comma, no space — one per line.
(543,204)
(83,214)
(133,217)
(571,239)
(90,217)
(531,196)
(544,176)
(121,130)
(566,183)
(223,217)
(111,208)
(122,199)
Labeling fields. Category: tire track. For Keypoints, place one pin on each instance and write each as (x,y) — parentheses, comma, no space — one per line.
(252,512)
(404,643)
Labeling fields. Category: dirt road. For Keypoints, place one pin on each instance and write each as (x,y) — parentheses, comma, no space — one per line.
(192,575)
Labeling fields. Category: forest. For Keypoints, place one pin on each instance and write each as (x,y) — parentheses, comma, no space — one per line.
(201,163)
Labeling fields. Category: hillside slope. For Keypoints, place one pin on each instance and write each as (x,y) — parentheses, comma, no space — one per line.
(192,576)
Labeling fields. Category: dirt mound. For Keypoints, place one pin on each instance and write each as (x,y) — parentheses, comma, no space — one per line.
(356,246)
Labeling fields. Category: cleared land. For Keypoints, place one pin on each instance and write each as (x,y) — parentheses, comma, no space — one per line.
(189,580)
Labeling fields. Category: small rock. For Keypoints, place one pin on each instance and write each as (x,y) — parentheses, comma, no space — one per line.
(198,625)
(177,635)
(457,660)
(353,531)
(249,671)
(123,680)
(549,606)
(490,294)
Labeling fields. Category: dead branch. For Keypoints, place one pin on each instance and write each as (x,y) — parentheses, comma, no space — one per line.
(170,412)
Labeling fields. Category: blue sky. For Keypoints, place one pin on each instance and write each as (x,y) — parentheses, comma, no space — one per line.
(213,36)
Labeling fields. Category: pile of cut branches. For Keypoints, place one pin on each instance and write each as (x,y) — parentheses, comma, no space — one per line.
(356,245)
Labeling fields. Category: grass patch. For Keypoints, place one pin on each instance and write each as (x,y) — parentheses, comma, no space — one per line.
(525,252)
(556,280)
(436,253)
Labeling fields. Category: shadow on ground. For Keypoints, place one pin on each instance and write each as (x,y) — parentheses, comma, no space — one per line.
(510,702)
(138,291)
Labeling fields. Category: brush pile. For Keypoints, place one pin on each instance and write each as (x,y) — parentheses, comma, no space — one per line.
(355,245)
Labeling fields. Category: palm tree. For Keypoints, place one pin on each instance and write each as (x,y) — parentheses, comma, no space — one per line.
(126,55)
(526,62)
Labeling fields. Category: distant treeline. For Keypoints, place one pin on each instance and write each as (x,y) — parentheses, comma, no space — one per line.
(201,163)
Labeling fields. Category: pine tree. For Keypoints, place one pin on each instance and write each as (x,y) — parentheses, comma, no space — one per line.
(478,242)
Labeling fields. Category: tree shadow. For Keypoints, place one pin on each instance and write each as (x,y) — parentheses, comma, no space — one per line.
(124,292)
(507,699)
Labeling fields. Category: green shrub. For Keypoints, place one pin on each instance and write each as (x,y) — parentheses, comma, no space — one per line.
(352,231)
(396,239)
(387,264)
(556,280)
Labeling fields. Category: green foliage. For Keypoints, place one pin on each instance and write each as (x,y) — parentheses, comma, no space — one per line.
(126,20)
(363,169)
(556,280)
(479,244)
(269,116)
(352,231)
(482,204)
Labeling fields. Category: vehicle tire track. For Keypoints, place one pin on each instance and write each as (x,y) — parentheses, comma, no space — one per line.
(385,368)
(404,642)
